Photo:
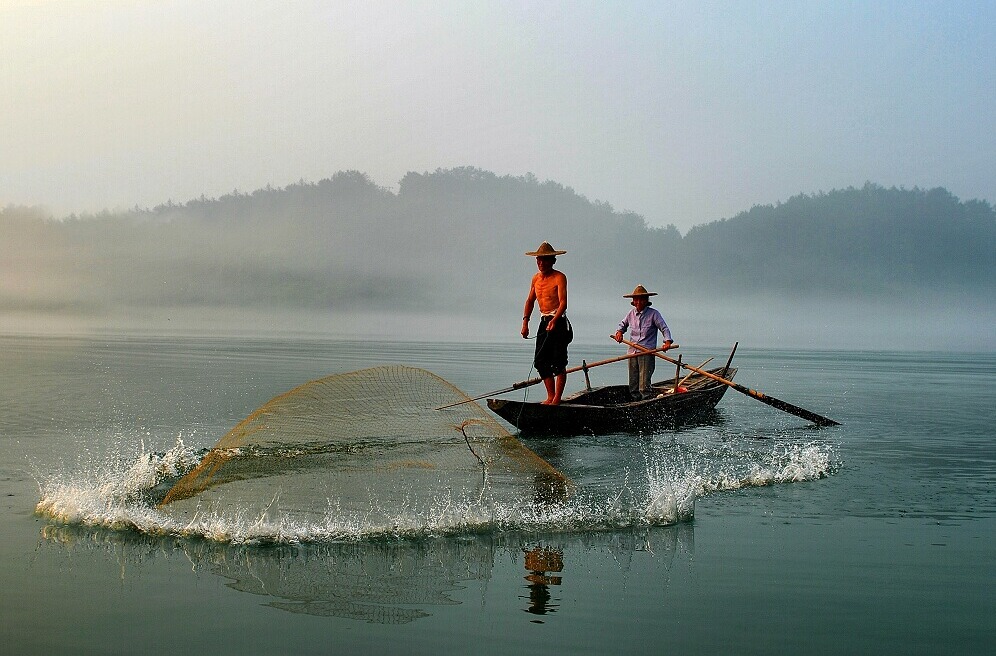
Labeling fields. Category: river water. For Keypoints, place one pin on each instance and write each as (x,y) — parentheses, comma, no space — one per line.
(877,535)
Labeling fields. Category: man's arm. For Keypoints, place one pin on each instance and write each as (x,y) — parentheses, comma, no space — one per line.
(621,329)
(665,331)
(528,308)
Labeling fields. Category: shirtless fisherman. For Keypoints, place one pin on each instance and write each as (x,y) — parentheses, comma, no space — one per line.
(548,289)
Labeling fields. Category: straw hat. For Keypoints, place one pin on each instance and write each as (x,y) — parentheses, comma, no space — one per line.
(639,291)
(545,250)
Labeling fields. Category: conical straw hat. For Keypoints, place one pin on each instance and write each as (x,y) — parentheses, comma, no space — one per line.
(545,250)
(639,291)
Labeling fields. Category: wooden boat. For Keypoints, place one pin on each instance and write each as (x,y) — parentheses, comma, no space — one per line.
(609,409)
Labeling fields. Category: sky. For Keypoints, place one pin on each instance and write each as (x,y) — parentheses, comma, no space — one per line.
(683,112)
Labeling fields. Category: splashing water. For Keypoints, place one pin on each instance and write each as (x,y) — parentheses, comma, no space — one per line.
(793,463)
(124,494)
(391,451)
(125,498)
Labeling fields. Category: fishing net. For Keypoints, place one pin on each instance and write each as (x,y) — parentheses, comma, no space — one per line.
(367,444)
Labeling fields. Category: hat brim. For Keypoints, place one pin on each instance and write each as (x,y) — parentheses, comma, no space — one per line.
(545,254)
(639,295)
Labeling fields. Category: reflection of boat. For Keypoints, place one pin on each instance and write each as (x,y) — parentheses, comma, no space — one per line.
(610,410)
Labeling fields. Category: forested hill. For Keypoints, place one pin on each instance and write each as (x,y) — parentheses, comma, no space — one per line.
(870,241)
(455,239)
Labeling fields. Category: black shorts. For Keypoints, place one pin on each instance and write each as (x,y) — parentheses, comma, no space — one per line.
(551,347)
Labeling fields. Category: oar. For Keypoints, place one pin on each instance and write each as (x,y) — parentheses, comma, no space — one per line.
(784,406)
(536,381)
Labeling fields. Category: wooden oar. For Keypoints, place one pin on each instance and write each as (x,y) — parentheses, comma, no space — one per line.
(784,406)
(536,381)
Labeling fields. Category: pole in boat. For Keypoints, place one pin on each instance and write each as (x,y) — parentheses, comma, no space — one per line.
(784,406)
(536,381)
(692,373)
(730,361)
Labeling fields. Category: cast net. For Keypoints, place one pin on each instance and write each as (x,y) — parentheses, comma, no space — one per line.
(367,445)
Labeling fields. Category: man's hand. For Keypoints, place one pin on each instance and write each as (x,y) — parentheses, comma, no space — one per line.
(525,329)
(618,336)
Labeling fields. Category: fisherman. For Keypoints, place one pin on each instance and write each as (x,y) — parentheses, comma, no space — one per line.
(548,289)
(643,323)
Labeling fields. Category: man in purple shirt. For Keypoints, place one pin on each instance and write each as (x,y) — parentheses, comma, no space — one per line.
(642,322)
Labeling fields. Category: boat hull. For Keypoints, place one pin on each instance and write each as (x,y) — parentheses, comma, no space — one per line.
(608,410)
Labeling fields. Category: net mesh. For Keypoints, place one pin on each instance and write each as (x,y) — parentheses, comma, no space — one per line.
(367,442)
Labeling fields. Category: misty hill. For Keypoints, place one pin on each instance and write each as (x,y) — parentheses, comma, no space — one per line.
(454,240)
(870,241)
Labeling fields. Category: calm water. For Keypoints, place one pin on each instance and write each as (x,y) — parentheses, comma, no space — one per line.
(875,536)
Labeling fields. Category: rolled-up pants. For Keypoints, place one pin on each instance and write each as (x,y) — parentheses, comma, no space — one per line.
(551,347)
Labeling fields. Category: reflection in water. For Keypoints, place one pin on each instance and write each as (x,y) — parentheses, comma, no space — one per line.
(379,581)
(375,582)
(539,561)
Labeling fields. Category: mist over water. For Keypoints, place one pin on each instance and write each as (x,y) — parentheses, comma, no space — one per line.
(699,323)
(443,259)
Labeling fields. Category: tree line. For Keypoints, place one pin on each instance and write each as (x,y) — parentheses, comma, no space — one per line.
(456,239)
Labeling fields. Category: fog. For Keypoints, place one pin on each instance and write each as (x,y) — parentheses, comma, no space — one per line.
(703,328)
(444,259)
(377,169)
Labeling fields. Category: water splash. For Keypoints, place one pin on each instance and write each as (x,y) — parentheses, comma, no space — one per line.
(122,494)
(783,463)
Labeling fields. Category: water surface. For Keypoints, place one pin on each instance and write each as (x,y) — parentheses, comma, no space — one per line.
(753,532)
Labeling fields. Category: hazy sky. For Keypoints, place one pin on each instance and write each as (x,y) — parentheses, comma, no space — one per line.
(684,112)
